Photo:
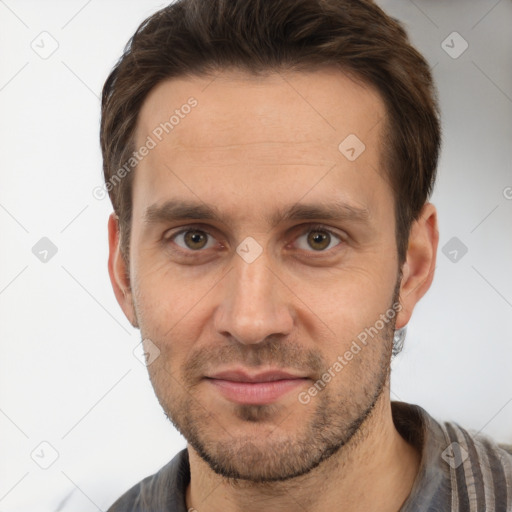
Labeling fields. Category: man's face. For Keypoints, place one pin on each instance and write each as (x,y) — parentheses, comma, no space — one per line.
(298,261)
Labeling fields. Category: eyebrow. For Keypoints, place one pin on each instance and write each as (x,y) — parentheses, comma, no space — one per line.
(177,210)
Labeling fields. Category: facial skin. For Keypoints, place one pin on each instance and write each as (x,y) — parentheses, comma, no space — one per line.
(250,150)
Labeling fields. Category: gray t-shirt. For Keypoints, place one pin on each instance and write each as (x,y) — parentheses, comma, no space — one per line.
(459,471)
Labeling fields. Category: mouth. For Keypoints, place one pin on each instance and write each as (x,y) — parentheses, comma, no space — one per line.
(262,388)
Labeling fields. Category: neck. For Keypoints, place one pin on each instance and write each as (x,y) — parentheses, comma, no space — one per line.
(377,467)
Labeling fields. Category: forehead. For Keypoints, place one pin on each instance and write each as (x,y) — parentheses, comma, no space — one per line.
(329,100)
(245,134)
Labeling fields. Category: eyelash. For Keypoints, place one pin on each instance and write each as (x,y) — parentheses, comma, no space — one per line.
(309,228)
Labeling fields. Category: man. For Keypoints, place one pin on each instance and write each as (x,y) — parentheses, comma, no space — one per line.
(270,164)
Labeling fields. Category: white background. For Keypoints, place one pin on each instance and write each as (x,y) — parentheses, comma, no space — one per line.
(68,375)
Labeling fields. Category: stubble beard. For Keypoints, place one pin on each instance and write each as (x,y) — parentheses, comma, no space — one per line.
(337,419)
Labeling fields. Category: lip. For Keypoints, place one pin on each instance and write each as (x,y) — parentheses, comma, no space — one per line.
(261,388)
(243,376)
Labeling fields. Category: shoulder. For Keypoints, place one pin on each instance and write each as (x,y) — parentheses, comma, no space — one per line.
(507,448)
(461,470)
(480,469)
(165,490)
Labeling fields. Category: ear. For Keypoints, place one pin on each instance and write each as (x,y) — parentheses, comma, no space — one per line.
(119,272)
(418,269)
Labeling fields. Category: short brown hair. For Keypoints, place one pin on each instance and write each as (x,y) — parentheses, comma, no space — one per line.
(203,37)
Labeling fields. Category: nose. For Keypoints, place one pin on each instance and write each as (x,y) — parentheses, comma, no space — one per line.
(253,303)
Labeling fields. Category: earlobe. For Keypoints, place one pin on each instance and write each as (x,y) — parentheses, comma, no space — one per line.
(119,272)
(418,269)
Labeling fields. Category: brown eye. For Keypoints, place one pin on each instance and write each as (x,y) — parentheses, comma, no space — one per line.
(193,239)
(317,239)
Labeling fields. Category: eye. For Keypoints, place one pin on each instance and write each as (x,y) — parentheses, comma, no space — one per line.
(312,239)
(193,239)
(318,238)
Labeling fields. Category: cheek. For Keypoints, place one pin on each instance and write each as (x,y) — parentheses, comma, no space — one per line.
(170,304)
(349,296)
(351,305)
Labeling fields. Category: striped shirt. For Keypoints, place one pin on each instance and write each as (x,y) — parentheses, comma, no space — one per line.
(459,471)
